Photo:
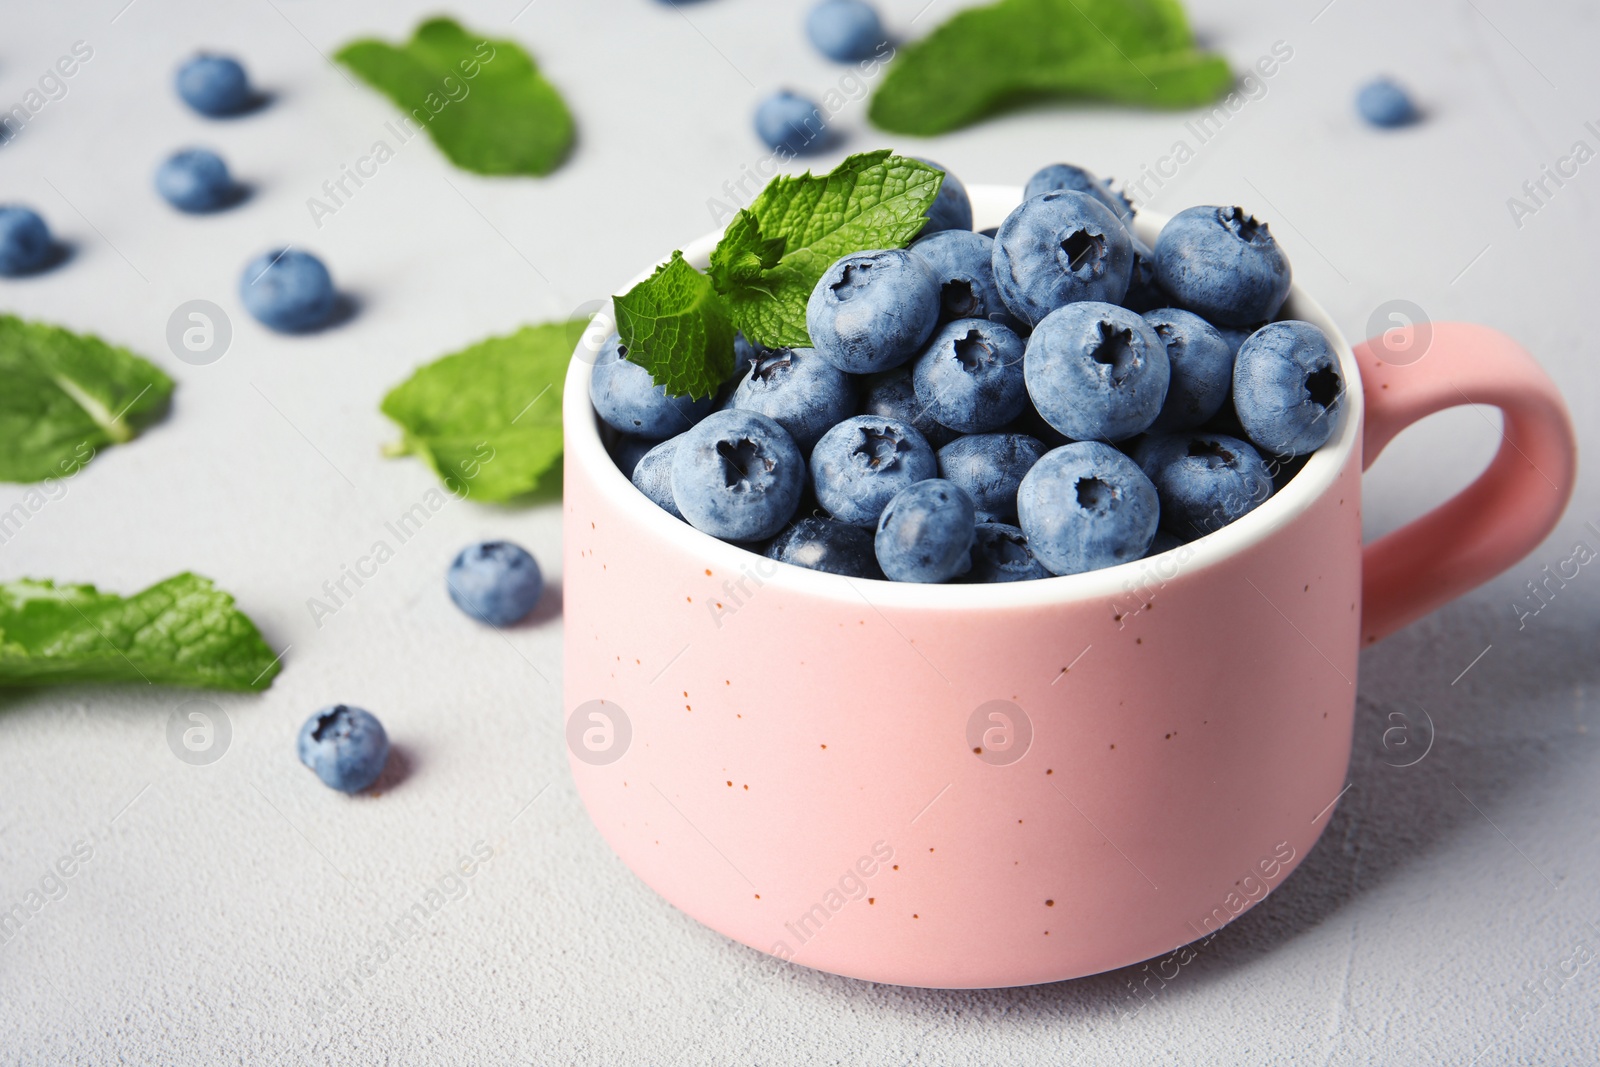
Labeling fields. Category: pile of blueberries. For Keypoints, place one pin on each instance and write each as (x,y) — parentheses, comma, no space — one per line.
(1048,398)
(286,289)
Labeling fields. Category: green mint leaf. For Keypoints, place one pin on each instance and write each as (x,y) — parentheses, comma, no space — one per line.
(487,419)
(674,325)
(64,396)
(482,101)
(983,59)
(183,631)
(773,252)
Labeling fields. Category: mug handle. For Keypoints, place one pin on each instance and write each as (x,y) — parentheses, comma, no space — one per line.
(1507,511)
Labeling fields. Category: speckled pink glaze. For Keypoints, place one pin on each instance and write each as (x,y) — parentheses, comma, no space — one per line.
(800,775)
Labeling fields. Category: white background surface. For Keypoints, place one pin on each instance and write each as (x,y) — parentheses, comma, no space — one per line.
(223,903)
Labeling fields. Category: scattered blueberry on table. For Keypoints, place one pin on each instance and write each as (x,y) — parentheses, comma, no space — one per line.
(345,745)
(196,180)
(25,242)
(1383,102)
(214,85)
(288,290)
(845,30)
(1092,399)
(495,582)
(790,123)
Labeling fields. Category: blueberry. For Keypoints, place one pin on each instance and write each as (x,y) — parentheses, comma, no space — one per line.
(1144,292)
(627,450)
(1058,176)
(951,208)
(872,311)
(791,124)
(25,241)
(288,291)
(1097,371)
(970,377)
(963,266)
(1222,264)
(1235,335)
(926,532)
(860,464)
(892,394)
(845,30)
(196,180)
(1287,389)
(496,582)
(628,399)
(1204,481)
(1058,248)
(214,85)
(821,544)
(989,467)
(653,476)
(1085,506)
(1201,364)
(801,391)
(1000,553)
(737,475)
(346,747)
(1165,541)
(1385,103)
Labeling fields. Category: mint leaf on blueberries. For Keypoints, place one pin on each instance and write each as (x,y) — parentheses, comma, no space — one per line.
(774,251)
(487,419)
(676,326)
(64,396)
(482,101)
(985,58)
(183,631)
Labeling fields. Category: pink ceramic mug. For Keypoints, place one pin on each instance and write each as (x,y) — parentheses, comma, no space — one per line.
(994,785)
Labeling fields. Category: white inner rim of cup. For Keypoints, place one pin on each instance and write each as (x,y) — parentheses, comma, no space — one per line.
(990,205)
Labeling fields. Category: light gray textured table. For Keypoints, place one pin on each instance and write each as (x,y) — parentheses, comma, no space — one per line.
(224,906)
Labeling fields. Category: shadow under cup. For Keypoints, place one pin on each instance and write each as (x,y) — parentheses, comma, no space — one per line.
(963,786)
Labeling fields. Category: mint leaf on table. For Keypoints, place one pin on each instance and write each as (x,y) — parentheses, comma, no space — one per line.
(64,396)
(182,631)
(1126,51)
(676,326)
(775,250)
(488,418)
(482,101)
